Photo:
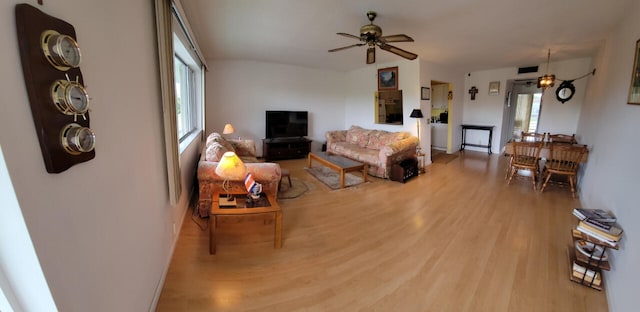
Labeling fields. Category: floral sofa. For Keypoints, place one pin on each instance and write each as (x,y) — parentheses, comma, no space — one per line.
(267,174)
(379,149)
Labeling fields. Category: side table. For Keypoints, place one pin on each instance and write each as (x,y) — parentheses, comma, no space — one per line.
(265,204)
(421,160)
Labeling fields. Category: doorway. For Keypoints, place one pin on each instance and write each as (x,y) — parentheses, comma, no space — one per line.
(441,100)
(522,109)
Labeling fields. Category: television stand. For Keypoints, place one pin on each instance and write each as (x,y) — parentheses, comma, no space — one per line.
(285,148)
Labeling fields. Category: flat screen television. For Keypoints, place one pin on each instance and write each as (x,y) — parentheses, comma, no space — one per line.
(286,124)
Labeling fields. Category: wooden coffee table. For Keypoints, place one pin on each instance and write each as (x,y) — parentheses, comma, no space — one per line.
(340,164)
(265,204)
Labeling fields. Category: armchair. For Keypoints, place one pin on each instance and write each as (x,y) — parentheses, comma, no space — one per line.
(267,174)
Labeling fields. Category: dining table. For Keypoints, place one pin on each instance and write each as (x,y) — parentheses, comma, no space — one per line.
(544,153)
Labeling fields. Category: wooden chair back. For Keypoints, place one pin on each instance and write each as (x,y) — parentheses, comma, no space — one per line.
(562,138)
(565,158)
(532,137)
(526,154)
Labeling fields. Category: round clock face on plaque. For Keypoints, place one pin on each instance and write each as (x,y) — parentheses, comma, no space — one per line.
(70,97)
(77,139)
(61,51)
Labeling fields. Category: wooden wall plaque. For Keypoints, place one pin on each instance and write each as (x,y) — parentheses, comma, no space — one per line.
(39,76)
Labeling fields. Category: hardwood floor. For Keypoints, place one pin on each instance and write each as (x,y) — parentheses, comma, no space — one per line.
(456,238)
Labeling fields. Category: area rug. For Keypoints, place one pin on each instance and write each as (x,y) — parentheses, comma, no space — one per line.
(443,158)
(296,189)
(332,178)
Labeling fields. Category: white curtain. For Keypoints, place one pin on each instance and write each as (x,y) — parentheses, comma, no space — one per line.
(167,83)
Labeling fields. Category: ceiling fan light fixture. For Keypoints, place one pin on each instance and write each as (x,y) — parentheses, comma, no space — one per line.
(371,55)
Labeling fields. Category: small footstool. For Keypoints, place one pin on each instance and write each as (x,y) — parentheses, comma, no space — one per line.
(284,173)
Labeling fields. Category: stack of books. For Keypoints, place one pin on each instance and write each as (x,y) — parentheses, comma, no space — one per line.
(579,273)
(598,224)
(594,214)
(596,230)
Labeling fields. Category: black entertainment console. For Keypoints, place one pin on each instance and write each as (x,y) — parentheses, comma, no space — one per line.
(285,148)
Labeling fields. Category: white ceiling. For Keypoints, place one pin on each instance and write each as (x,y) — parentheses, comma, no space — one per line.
(468,35)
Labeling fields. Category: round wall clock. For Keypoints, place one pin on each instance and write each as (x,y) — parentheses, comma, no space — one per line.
(69,97)
(565,91)
(61,51)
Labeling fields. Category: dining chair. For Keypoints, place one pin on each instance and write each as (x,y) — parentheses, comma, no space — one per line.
(562,138)
(564,160)
(531,136)
(525,157)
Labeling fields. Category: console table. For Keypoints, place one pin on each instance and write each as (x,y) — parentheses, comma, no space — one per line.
(476,127)
(285,148)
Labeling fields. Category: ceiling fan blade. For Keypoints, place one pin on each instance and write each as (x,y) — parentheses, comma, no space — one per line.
(347,47)
(371,55)
(396,38)
(349,36)
(398,51)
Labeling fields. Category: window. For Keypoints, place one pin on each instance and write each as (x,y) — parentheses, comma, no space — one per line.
(188,90)
(185,99)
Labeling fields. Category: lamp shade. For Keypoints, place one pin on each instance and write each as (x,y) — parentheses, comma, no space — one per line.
(546,81)
(231,167)
(416,113)
(228,129)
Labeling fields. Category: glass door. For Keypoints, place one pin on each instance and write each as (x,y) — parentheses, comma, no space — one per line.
(522,109)
(527,113)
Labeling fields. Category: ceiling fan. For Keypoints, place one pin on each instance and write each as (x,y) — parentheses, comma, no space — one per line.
(371,35)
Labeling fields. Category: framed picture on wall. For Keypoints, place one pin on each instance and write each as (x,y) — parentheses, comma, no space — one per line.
(494,88)
(634,88)
(426,93)
(388,79)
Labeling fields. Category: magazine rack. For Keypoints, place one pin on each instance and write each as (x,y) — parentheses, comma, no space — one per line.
(591,263)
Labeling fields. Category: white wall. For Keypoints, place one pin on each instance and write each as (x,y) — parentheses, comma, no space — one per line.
(361,87)
(239,92)
(555,117)
(608,125)
(21,279)
(102,230)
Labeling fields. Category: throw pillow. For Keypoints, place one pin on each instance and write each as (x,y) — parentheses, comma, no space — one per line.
(358,136)
(374,139)
(217,137)
(215,151)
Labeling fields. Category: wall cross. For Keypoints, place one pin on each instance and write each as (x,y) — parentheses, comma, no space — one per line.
(473,92)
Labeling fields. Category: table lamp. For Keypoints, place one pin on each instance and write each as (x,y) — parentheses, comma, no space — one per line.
(230,167)
(228,129)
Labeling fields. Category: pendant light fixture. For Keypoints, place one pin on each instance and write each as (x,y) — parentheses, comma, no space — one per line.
(546,81)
